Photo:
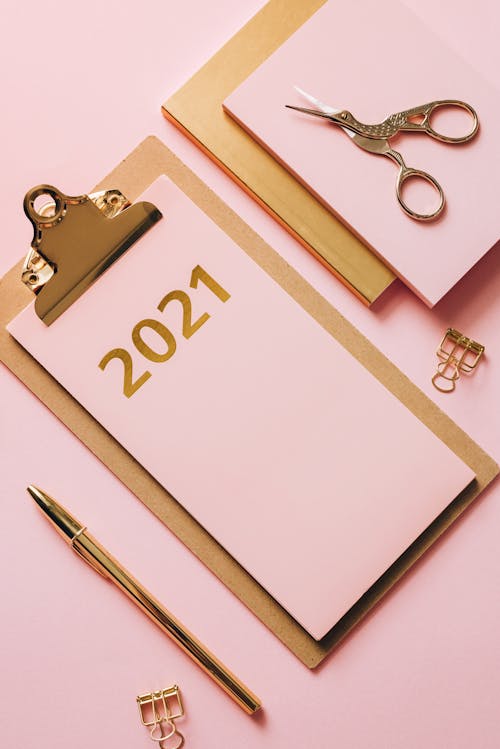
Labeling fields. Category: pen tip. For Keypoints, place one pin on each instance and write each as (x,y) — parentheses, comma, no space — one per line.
(65,523)
(39,496)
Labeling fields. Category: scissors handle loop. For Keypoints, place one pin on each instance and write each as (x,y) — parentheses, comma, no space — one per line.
(406,173)
(381,147)
(419,119)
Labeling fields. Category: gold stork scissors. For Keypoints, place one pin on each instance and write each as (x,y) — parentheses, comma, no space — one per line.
(375,139)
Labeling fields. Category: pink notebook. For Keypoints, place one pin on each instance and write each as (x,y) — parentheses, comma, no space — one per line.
(375,59)
(280,443)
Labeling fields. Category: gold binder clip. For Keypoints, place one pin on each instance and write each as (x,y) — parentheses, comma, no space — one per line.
(458,354)
(159,711)
(77,239)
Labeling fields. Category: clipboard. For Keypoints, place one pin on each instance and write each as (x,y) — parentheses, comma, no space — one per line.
(150,160)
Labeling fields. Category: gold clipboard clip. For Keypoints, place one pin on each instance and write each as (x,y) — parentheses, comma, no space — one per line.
(159,710)
(457,354)
(75,240)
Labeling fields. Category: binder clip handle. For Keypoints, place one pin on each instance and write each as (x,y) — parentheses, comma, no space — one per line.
(172,731)
(441,375)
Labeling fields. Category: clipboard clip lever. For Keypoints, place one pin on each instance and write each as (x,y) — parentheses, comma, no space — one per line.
(75,240)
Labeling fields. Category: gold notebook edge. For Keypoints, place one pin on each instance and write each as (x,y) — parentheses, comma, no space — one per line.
(132,176)
(196,110)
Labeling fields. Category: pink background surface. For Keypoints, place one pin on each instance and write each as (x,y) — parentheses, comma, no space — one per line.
(261,424)
(343,63)
(424,669)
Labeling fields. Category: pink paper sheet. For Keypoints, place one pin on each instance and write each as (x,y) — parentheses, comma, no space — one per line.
(374,59)
(296,459)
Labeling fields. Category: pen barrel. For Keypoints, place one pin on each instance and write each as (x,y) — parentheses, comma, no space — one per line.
(87,547)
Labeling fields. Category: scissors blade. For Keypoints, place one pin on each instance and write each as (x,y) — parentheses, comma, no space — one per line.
(324,108)
(317,103)
(314,112)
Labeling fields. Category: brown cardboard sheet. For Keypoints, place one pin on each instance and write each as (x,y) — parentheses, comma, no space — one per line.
(196,109)
(132,176)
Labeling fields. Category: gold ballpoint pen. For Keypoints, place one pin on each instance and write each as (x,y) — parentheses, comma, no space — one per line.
(75,534)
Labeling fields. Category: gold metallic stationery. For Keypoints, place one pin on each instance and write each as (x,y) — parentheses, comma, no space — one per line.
(159,711)
(458,354)
(75,534)
(375,139)
(75,240)
(196,109)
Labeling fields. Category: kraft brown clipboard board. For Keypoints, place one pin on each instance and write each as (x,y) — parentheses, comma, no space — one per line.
(148,161)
